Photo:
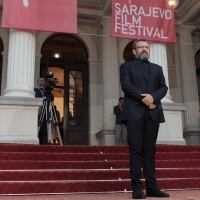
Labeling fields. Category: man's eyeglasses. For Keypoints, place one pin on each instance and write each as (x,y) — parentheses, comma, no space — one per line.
(143,47)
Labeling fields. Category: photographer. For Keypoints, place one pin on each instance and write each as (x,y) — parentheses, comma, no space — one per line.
(40,93)
(40,90)
(120,128)
(46,113)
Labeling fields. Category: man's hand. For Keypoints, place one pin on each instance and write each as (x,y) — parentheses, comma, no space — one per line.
(151,106)
(148,99)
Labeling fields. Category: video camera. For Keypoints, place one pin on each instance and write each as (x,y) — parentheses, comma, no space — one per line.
(50,85)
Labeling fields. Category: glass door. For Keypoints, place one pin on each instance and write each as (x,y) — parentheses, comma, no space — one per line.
(76,105)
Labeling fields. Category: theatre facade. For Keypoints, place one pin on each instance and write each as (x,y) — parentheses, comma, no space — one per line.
(87,67)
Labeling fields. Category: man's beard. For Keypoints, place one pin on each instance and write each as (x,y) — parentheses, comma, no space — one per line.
(142,56)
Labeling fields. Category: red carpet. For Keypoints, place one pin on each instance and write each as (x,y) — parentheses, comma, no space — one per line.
(26,169)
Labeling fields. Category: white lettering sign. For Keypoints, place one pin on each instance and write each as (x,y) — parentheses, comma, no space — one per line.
(129,20)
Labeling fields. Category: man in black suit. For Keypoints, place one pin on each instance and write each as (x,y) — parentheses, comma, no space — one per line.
(144,86)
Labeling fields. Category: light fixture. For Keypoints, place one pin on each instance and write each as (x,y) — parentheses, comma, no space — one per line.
(173,3)
(56,54)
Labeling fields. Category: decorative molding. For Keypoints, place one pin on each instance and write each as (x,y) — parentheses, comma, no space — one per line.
(25,101)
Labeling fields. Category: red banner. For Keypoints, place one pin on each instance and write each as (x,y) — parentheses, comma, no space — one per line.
(150,19)
(42,15)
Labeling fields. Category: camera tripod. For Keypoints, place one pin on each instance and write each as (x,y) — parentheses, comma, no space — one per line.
(48,111)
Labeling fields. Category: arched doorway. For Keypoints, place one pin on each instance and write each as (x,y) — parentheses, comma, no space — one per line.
(66,56)
(127,54)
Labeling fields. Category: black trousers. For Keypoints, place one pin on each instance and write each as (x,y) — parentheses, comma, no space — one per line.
(43,139)
(142,136)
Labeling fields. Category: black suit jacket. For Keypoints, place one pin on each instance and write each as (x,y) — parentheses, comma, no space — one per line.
(38,93)
(118,112)
(134,82)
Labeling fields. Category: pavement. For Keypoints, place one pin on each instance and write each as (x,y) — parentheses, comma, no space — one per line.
(174,195)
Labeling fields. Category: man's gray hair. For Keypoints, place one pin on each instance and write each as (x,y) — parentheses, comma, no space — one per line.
(138,40)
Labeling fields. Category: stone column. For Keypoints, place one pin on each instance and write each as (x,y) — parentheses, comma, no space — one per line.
(110,75)
(21,63)
(18,106)
(189,81)
(37,68)
(158,55)
(110,85)
(170,132)
(95,94)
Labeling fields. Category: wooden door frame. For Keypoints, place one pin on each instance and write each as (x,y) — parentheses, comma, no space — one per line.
(78,66)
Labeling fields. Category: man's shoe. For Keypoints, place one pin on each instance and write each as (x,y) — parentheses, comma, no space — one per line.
(156,193)
(138,194)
